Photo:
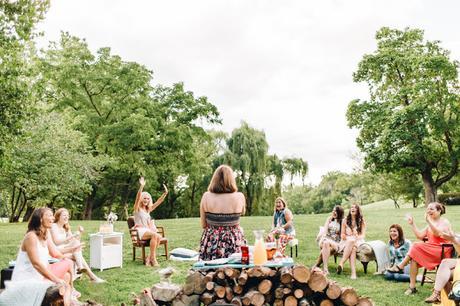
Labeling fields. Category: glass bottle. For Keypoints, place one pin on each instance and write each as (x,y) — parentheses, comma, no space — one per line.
(260,252)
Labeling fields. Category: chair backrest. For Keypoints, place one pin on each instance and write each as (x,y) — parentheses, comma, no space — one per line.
(130,222)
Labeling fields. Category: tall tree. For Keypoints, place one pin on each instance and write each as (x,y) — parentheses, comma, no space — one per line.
(411,119)
(247,154)
(296,167)
(17,29)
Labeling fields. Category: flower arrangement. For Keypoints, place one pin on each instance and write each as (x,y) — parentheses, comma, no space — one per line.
(111,217)
(277,232)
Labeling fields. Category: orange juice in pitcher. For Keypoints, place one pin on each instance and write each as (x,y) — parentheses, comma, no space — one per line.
(260,253)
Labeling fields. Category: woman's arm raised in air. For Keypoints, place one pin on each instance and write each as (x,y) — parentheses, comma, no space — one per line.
(160,200)
(420,234)
(137,202)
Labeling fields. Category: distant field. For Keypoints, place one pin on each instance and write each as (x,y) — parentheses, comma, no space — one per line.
(186,233)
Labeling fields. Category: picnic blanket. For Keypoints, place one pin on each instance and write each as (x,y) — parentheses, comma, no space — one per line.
(27,292)
(382,257)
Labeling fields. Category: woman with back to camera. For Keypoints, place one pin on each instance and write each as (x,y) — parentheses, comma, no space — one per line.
(353,233)
(220,210)
(144,224)
(329,238)
(425,254)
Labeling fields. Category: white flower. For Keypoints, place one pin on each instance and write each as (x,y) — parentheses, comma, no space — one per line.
(112,217)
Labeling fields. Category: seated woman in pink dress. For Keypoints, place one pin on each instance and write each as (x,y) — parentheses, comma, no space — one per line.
(145,226)
(426,254)
(32,261)
(352,234)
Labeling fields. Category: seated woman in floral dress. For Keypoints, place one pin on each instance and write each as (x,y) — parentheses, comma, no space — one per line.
(220,210)
(283,225)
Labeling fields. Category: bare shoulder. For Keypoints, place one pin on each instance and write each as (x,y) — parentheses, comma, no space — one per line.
(240,196)
(29,239)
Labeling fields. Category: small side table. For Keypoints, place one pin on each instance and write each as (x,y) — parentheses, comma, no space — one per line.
(106,250)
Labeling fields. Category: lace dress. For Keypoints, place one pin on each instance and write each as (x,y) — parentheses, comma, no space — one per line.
(222,236)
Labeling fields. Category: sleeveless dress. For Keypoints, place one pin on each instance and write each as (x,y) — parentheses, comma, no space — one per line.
(279,219)
(24,270)
(428,254)
(349,233)
(143,220)
(222,236)
(332,235)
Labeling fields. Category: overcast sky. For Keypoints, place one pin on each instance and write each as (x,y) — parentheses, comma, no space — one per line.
(285,67)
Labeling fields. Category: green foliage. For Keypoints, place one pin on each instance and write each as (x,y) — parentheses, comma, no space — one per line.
(449,198)
(411,119)
(49,164)
(247,154)
(17,23)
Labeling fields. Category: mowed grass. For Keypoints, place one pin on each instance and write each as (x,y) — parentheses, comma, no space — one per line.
(187,232)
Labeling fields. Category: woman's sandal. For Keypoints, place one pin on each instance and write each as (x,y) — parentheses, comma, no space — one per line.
(434,298)
(339,269)
(395,269)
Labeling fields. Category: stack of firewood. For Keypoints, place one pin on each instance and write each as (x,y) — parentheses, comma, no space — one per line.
(296,285)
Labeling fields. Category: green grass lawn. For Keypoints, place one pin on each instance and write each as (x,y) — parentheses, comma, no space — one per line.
(186,233)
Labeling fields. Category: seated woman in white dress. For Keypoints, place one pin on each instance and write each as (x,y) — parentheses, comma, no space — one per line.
(32,261)
(145,226)
(70,243)
(352,234)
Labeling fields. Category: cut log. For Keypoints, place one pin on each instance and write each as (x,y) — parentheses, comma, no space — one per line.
(231,273)
(317,282)
(209,276)
(279,293)
(220,274)
(265,286)
(349,296)
(243,278)
(290,301)
(255,298)
(278,302)
(196,281)
(298,293)
(305,302)
(260,271)
(333,290)
(365,301)
(210,286)
(146,298)
(236,301)
(326,302)
(228,293)
(285,275)
(165,292)
(207,298)
(301,274)
(238,289)
(220,291)
(186,300)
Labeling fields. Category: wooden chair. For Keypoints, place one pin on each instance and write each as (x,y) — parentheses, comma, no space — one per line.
(139,243)
(444,246)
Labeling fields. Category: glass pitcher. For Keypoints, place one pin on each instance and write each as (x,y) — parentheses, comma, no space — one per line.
(260,253)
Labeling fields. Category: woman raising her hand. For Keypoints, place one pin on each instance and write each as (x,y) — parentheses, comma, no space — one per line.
(144,224)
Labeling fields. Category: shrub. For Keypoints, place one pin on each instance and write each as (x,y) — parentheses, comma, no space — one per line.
(449,198)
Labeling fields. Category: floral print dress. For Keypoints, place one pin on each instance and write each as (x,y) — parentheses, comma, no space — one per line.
(222,236)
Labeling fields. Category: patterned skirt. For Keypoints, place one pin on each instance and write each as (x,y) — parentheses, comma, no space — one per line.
(221,241)
(283,240)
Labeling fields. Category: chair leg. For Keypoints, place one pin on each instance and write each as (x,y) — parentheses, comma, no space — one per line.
(335,258)
(166,250)
(291,251)
(134,253)
(423,277)
(143,254)
(365,266)
(296,251)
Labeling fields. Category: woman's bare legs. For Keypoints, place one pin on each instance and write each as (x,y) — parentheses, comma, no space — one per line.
(325,253)
(443,273)
(413,273)
(349,244)
(353,262)
(154,241)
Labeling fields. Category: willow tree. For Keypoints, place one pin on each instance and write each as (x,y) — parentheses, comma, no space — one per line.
(411,120)
(296,167)
(247,154)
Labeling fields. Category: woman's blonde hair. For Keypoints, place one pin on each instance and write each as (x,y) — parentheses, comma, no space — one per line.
(58,214)
(223,181)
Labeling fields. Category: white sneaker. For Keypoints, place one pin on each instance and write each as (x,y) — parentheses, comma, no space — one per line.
(98,280)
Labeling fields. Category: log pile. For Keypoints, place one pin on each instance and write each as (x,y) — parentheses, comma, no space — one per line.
(258,286)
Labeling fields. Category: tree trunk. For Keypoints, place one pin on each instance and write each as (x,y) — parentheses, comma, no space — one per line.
(87,214)
(125,196)
(396,203)
(429,187)
(28,213)
(414,202)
